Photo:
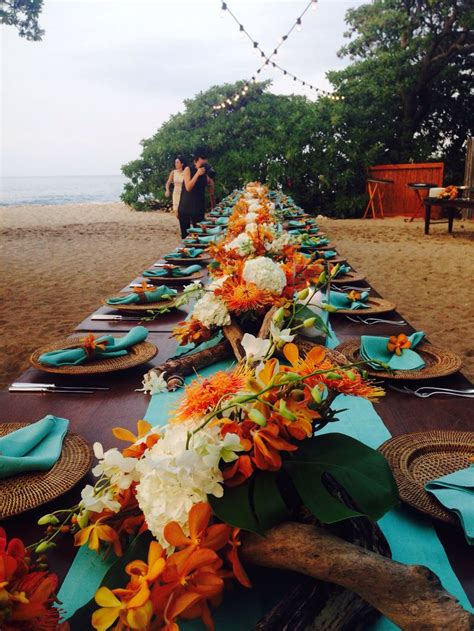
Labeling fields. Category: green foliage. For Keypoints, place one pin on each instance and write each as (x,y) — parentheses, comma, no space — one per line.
(362,472)
(24,15)
(407,97)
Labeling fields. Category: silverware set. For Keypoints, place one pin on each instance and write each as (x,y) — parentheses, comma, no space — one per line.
(19,386)
(424,392)
(348,288)
(114,318)
(370,321)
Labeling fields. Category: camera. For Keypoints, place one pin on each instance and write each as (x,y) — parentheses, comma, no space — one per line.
(210,171)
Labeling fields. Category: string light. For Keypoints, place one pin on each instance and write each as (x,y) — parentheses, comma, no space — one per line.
(298,25)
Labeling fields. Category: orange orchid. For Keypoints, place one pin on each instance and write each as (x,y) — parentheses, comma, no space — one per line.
(201,535)
(120,603)
(396,343)
(237,568)
(267,447)
(94,534)
(144,286)
(354,295)
(89,344)
(143,574)
(191,331)
(238,471)
(137,448)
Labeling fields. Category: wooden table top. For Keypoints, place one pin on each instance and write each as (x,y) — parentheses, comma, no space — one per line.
(93,416)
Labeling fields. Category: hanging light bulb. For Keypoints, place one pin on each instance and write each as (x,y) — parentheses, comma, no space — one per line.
(224,9)
(255,48)
(299,24)
(242,32)
(313,4)
(275,52)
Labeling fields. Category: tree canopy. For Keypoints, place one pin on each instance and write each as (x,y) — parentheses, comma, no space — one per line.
(24,15)
(408,97)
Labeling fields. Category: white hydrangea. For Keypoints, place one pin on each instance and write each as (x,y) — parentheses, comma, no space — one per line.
(251,217)
(119,470)
(276,246)
(265,273)
(242,243)
(211,311)
(174,477)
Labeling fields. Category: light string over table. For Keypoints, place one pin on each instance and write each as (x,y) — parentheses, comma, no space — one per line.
(297,25)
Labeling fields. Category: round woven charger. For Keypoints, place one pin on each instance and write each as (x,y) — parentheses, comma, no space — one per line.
(417,458)
(350,277)
(21,492)
(438,362)
(170,280)
(138,354)
(142,307)
(377,305)
(202,258)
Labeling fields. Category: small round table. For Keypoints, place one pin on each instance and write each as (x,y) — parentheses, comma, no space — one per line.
(418,187)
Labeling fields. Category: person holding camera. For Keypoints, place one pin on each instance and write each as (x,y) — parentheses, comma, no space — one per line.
(192,204)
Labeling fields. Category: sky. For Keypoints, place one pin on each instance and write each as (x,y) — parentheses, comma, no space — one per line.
(108,73)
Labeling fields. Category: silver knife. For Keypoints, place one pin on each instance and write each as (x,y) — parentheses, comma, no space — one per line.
(23,384)
(114,318)
(51,390)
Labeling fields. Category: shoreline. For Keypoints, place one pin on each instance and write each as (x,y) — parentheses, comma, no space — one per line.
(63,259)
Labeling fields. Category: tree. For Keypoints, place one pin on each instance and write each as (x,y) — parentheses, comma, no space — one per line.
(24,15)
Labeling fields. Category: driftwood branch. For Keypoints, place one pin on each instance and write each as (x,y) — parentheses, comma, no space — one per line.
(410,596)
(233,334)
(265,327)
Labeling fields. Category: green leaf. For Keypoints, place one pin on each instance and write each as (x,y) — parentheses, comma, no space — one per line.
(268,502)
(115,577)
(363,472)
(235,507)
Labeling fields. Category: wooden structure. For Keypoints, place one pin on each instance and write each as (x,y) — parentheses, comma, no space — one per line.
(375,197)
(452,205)
(399,198)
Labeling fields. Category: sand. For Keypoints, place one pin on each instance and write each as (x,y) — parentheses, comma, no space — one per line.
(61,261)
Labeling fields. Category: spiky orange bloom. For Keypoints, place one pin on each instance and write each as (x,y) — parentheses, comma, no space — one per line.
(240,296)
(203,395)
(191,331)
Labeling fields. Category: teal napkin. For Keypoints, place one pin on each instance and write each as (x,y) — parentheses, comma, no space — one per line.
(222,221)
(324,254)
(456,492)
(343,269)
(181,253)
(154,295)
(195,229)
(35,447)
(341,301)
(375,348)
(176,272)
(115,347)
(296,224)
(206,240)
(315,242)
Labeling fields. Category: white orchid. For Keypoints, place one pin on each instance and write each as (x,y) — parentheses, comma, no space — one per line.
(112,464)
(280,336)
(97,501)
(255,348)
(153,383)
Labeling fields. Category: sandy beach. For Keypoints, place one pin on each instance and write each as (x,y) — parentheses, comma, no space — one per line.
(59,262)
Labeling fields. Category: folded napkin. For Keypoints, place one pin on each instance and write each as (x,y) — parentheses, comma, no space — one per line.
(456,492)
(343,301)
(35,447)
(296,224)
(188,253)
(222,221)
(175,272)
(343,269)
(102,347)
(373,348)
(154,295)
(324,254)
(314,242)
(195,229)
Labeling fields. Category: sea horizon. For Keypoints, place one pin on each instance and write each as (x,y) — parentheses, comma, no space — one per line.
(52,190)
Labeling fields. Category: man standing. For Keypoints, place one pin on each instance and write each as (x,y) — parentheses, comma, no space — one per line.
(192,204)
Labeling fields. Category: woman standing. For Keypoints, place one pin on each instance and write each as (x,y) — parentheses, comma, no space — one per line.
(192,204)
(176,178)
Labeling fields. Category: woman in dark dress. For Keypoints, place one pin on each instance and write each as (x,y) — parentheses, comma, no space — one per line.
(192,204)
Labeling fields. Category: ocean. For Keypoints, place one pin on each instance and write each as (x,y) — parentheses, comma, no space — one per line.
(68,189)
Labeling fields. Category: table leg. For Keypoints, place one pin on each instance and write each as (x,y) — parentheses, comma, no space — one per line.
(451,210)
(427,218)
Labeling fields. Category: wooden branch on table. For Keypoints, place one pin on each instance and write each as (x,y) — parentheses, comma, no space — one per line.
(233,334)
(267,320)
(411,596)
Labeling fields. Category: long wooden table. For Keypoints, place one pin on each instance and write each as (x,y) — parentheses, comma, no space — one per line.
(94,416)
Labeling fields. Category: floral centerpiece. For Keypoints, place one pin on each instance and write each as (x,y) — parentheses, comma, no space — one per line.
(240,452)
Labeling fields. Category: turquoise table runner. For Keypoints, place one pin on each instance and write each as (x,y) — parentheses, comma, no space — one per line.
(411,537)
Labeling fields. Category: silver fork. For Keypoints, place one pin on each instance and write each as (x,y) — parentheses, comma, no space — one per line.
(424,392)
(370,321)
(348,288)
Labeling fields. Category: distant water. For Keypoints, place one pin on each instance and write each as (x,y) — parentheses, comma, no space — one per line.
(70,189)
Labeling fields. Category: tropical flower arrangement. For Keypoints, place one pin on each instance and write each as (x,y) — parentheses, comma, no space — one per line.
(240,452)
(27,589)
(256,266)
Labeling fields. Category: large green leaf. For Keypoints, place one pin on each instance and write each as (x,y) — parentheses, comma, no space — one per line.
(267,500)
(363,472)
(115,577)
(235,507)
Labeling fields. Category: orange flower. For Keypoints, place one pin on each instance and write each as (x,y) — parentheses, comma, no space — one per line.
(89,344)
(267,447)
(191,331)
(143,574)
(396,343)
(120,603)
(203,395)
(144,286)
(354,295)
(94,534)
(238,471)
(136,450)
(241,296)
(237,568)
